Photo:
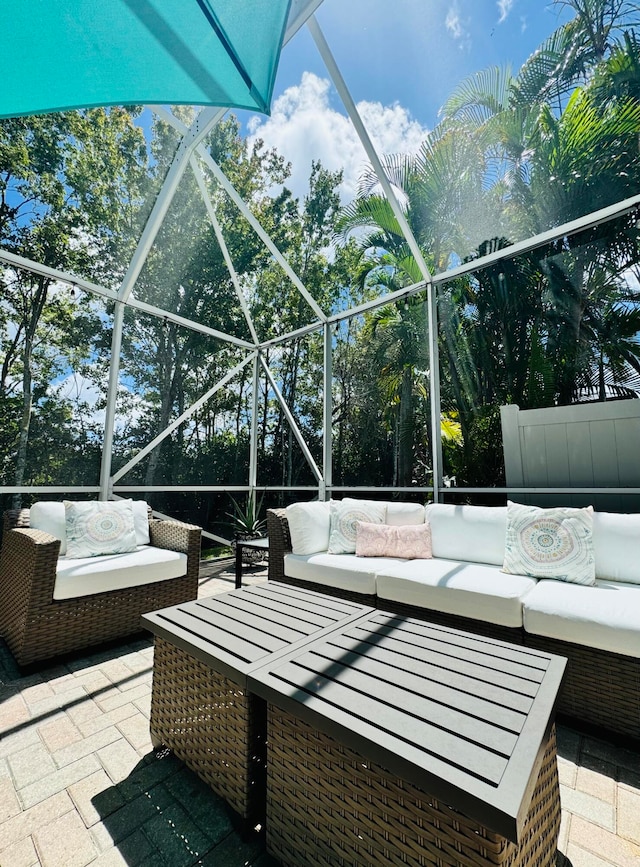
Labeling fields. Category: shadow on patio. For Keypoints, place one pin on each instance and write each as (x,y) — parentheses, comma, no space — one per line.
(81,784)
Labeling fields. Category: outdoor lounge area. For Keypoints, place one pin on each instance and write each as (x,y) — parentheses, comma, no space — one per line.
(82,784)
(320,433)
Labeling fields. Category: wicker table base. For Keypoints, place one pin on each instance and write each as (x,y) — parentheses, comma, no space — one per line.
(327,805)
(212,724)
(204,651)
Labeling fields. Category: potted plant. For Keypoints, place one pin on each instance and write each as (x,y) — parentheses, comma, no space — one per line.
(247,524)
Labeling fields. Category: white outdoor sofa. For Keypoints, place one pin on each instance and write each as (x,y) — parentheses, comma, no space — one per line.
(596,627)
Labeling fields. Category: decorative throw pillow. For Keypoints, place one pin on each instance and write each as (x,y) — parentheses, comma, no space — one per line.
(344,515)
(550,543)
(99,528)
(412,542)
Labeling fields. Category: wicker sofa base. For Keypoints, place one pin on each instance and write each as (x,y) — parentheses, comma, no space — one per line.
(327,805)
(213,725)
(600,689)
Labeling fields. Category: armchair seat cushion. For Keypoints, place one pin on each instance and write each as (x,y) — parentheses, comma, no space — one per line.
(605,616)
(88,575)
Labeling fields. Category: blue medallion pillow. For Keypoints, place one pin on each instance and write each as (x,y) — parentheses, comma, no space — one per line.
(97,528)
(550,543)
(344,517)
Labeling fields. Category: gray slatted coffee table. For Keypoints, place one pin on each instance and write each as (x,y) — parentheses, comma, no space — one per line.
(204,652)
(392,740)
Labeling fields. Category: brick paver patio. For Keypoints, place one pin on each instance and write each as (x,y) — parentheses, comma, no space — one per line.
(80,783)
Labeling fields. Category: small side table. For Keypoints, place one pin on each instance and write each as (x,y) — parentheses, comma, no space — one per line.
(261,544)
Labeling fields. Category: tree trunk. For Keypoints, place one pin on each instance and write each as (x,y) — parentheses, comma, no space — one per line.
(32,317)
(405,429)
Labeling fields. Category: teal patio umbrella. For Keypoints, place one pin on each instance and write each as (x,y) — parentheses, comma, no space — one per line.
(65,54)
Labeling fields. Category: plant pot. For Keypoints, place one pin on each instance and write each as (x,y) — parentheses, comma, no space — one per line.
(250,556)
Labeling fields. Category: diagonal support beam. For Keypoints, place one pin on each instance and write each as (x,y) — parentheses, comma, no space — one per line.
(223,246)
(193,136)
(363,135)
(255,224)
(432,337)
(208,160)
(294,426)
(178,421)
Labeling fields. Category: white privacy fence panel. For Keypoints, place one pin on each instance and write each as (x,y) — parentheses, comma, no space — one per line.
(594,445)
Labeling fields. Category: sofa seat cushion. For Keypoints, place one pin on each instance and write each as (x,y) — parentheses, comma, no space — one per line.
(344,571)
(88,575)
(474,590)
(605,616)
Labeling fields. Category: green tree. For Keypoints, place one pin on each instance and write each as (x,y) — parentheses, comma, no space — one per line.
(61,200)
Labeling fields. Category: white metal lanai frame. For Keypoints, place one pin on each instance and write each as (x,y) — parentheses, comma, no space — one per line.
(192,155)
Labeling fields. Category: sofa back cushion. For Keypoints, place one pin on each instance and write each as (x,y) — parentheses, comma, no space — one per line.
(616,543)
(472,533)
(404,514)
(309,525)
(50,518)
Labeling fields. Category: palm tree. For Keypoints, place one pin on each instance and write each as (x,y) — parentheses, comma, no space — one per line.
(402,359)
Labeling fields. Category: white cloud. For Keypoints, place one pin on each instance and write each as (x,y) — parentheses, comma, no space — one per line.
(304,127)
(453,23)
(504,7)
(458,27)
(83,392)
(78,389)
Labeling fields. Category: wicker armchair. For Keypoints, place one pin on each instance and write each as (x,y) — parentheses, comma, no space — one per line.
(36,626)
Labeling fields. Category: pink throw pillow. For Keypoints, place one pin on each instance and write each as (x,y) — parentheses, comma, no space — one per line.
(411,542)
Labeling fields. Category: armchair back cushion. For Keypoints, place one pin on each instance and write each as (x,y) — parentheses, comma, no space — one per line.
(50,518)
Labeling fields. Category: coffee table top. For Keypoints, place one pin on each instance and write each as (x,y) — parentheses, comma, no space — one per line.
(463,717)
(237,631)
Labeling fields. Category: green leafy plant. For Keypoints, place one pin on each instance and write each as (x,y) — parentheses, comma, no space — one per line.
(246,519)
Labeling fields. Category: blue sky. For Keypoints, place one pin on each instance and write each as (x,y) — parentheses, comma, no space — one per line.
(400,60)
(415,51)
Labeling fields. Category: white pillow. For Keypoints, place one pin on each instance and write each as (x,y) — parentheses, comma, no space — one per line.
(404,514)
(97,528)
(49,517)
(550,543)
(471,533)
(344,517)
(616,542)
(308,526)
(141,521)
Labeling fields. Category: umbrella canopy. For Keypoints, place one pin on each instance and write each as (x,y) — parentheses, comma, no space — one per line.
(64,54)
